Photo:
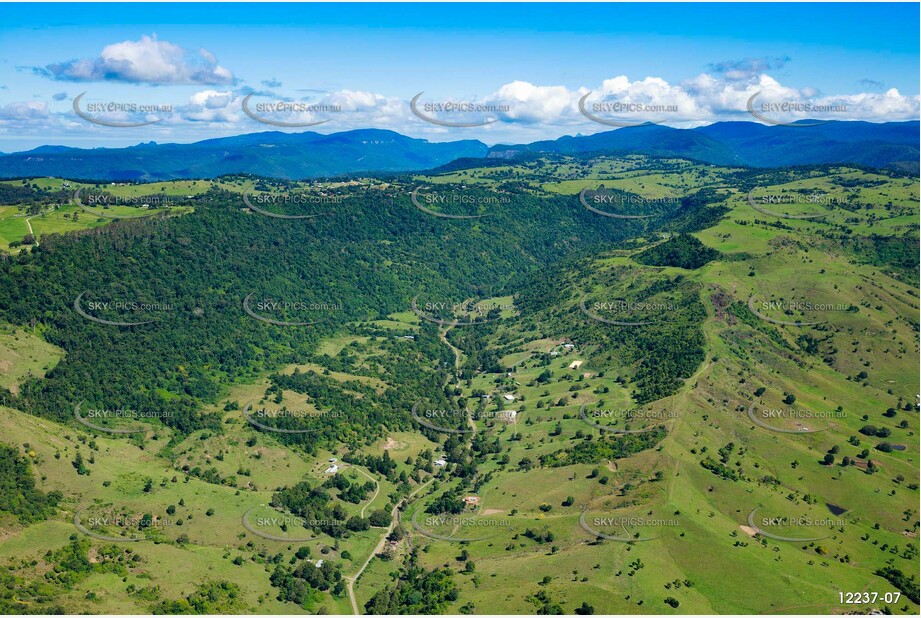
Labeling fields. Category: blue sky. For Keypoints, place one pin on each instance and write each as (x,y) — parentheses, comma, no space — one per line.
(525,66)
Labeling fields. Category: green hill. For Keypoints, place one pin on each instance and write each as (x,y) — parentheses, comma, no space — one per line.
(468,392)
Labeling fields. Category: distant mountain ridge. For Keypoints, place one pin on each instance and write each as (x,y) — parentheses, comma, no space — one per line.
(274,154)
(311,155)
(891,144)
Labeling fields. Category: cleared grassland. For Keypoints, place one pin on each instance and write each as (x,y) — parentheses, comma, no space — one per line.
(24,355)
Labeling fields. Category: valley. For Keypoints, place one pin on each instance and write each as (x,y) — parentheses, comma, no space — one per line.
(572,382)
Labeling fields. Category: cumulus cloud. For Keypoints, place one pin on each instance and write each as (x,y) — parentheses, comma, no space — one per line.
(708,97)
(271,83)
(26,117)
(147,61)
(522,111)
(528,103)
(210,106)
(24,110)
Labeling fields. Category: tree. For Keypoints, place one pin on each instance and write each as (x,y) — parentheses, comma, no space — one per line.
(379,518)
(79,465)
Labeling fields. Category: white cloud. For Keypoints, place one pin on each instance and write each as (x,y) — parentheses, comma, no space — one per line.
(534,111)
(24,111)
(147,61)
(210,106)
(529,103)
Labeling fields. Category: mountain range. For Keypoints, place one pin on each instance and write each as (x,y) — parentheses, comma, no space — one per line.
(311,155)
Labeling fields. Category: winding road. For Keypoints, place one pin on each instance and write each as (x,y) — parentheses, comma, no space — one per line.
(394,520)
(29,225)
(376,491)
(457,353)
